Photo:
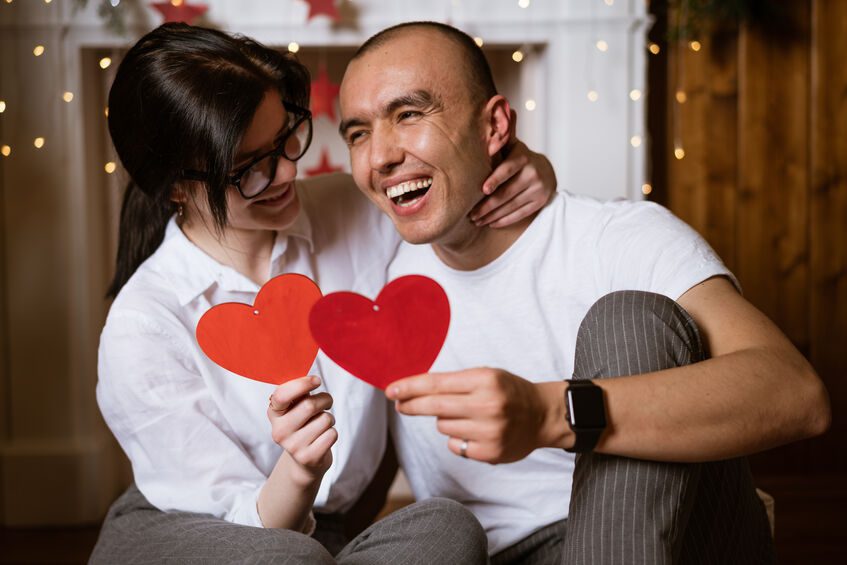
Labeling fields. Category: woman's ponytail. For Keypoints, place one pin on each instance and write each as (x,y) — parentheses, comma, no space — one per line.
(142,229)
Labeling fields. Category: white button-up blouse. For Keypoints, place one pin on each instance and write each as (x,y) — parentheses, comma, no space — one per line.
(198,435)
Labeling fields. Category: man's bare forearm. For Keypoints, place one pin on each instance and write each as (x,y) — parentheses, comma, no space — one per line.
(755,393)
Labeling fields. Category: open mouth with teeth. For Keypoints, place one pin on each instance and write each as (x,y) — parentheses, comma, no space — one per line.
(409,192)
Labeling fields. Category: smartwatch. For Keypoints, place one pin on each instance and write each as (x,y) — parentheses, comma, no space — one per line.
(585,411)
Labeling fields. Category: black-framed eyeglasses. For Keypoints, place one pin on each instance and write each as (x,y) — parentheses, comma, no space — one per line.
(255,177)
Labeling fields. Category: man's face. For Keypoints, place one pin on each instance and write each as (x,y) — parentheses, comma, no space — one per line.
(417,143)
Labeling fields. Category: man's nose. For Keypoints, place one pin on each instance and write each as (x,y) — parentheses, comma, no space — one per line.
(385,151)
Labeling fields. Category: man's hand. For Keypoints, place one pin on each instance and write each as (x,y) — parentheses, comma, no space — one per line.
(301,426)
(502,417)
(520,186)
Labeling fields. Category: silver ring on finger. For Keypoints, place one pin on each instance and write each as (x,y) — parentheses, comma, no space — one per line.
(463,448)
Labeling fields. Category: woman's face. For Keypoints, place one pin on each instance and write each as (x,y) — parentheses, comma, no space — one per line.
(277,207)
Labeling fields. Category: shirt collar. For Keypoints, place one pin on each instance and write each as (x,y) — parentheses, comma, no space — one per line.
(192,272)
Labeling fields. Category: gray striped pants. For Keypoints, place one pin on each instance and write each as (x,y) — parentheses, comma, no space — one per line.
(432,532)
(630,511)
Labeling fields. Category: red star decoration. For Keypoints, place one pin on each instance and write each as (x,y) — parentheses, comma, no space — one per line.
(323,8)
(183,12)
(324,167)
(324,94)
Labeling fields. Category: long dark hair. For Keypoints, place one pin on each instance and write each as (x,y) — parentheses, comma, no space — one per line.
(182,98)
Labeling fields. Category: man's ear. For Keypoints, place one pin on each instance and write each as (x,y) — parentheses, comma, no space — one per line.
(499,130)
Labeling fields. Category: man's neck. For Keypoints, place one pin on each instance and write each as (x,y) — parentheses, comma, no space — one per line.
(469,247)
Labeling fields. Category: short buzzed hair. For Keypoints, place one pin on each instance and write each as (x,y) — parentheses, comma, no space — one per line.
(478,76)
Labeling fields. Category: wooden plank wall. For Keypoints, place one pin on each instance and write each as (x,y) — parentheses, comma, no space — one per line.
(828,218)
(764,179)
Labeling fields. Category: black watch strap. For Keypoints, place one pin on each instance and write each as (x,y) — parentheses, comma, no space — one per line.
(586,440)
(590,416)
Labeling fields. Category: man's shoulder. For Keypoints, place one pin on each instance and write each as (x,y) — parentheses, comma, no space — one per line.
(586,215)
(616,208)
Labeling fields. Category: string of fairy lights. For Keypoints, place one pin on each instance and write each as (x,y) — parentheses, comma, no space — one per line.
(600,46)
(66,96)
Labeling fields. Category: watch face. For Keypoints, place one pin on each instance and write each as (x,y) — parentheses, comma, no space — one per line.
(586,407)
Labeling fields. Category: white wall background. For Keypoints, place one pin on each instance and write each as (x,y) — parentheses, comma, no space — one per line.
(58,206)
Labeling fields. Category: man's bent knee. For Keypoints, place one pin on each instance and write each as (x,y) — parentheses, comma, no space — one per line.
(631,332)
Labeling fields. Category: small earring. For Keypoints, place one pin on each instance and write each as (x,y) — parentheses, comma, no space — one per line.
(179,210)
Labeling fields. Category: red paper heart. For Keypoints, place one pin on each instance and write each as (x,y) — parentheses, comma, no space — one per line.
(268,341)
(397,335)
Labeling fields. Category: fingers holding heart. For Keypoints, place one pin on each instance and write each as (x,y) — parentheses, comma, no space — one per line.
(489,414)
(295,413)
(286,424)
(445,406)
(285,395)
(310,444)
(301,425)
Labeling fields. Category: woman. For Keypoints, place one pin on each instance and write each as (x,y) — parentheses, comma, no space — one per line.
(209,128)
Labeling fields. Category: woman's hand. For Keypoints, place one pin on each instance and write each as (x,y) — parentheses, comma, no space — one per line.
(520,186)
(301,425)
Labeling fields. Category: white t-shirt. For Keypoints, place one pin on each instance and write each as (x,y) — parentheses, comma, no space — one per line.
(521,313)
(197,435)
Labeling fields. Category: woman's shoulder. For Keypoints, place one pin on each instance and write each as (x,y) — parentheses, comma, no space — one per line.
(151,297)
(336,208)
(333,193)
(351,237)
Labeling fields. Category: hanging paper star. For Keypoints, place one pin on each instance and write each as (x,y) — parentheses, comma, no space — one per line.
(324,167)
(180,11)
(324,94)
(323,8)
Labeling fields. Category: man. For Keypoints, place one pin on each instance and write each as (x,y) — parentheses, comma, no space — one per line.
(660,477)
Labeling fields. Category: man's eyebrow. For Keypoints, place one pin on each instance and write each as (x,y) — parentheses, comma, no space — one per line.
(347,124)
(416,99)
